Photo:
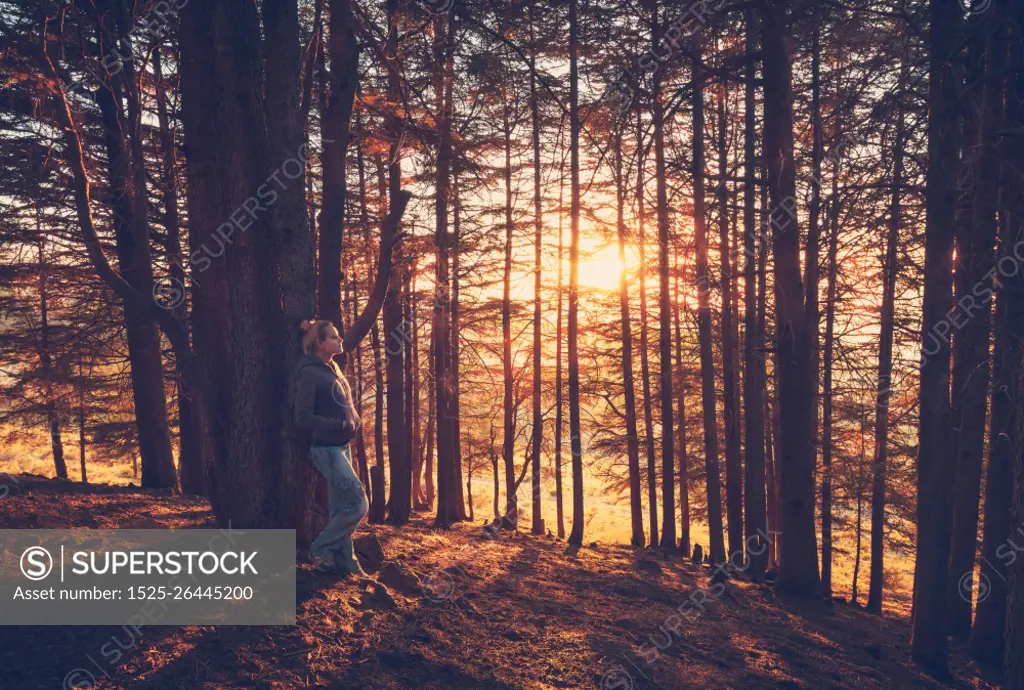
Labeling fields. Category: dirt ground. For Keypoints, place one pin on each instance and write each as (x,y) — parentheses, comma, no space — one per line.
(457,610)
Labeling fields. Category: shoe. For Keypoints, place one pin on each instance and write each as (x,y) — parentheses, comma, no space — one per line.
(348,561)
(324,567)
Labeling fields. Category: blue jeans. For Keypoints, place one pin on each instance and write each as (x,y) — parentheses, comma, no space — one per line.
(348,507)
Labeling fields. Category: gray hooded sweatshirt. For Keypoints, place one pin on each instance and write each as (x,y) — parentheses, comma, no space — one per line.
(320,403)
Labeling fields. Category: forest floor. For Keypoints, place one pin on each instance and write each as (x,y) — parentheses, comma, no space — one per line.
(456,610)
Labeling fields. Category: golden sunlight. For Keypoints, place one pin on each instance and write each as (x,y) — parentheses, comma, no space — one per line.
(600,266)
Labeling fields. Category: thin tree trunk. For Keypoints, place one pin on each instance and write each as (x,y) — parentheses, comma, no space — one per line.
(753,390)
(707,364)
(509,426)
(559,509)
(629,390)
(645,368)
(453,399)
(129,201)
(343,80)
(733,462)
(812,264)
(447,479)
(576,536)
(400,499)
(191,474)
(378,500)
(860,503)
(684,460)
(884,393)
(668,474)
(81,433)
(826,425)
(431,417)
(769,415)
(538,421)
(46,365)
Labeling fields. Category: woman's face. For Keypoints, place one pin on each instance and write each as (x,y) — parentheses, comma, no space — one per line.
(331,344)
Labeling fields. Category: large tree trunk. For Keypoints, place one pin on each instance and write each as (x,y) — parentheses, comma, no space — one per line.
(629,389)
(707,364)
(668,473)
(799,553)
(885,338)
(935,455)
(259,476)
(975,250)
(996,635)
(576,536)
(756,524)
(733,462)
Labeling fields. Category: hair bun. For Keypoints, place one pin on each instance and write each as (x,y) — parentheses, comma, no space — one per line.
(306,324)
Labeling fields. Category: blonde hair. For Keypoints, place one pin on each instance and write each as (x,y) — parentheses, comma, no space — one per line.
(316,330)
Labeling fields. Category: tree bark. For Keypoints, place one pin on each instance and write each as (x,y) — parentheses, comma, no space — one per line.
(754,506)
(733,462)
(576,536)
(975,250)
(798,572)
(684,460)
(996,636)
(885,338)
(400,499)
(343,80)
(447,488)
(508,410)
(129,201)
(827,404)
(707,364)
(559,509)
(935,456)
(538,224)
(645,368)
(629,389)
(668,473)
(191,474)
